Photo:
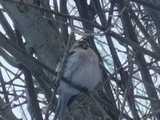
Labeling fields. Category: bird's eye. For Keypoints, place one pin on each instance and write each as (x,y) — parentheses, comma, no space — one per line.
(83,44)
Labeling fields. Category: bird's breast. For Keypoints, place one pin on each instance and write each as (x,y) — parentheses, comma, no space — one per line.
(83,70)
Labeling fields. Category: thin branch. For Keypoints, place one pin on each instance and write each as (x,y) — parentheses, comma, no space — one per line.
(134,45)
(4,88)
(111,107)
(60,72)
(147,4)
(58,13)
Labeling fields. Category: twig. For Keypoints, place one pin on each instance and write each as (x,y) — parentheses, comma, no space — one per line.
(111,107)
(152,114)
(59,75)
(57,13)
(127,87)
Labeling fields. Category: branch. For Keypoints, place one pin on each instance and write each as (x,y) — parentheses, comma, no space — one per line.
(28,61)
(58,13)
(6,26)
(109,106)
(32,97)
(134,45)
(147,4)
(4,88)
(9,59)
(5,112)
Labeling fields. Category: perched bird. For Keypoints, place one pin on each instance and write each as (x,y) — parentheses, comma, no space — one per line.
(82,68)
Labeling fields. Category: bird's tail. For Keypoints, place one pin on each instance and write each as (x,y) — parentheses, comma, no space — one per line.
(62,103)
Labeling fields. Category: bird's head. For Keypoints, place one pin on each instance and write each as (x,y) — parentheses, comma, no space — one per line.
(81,44)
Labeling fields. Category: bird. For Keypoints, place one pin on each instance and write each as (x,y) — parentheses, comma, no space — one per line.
(83,70)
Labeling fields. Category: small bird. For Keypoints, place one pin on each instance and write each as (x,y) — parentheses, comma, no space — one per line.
(82,69)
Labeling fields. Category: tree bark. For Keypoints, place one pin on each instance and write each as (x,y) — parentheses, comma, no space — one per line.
(40,36)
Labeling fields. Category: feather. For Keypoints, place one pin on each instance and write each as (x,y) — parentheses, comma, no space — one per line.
(82,68)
